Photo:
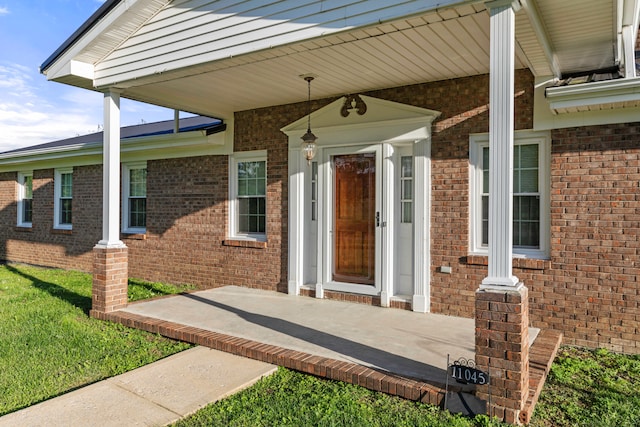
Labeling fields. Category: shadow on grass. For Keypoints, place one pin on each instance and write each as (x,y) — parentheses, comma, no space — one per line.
(57,291)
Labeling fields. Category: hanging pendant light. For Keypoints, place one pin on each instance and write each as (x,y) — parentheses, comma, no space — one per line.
(309,139)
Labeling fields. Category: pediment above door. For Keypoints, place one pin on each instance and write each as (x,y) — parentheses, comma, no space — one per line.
(378,120)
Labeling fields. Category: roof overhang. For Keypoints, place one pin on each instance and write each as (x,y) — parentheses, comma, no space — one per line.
(605,95)
(397,44)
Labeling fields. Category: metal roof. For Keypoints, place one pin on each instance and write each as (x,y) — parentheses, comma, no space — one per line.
(188,124)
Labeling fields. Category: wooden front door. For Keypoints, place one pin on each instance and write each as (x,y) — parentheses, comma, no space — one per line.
(355,218)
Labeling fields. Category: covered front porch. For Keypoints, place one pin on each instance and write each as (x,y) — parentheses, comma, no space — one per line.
(399,352)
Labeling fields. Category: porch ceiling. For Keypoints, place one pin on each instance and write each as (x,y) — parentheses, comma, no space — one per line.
(552,37)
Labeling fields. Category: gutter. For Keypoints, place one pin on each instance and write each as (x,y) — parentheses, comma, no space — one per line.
(102,11)
(597,93)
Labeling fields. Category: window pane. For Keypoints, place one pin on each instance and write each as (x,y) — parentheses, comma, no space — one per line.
(407,212)
(65,211)
(314,191)
(485,220)
(28,187)
(526,221)
(528,156)
(407,166)
(407,192)
(65,185)
(528,182)
(138,213)
(251,215)
(27,210)
(138,182)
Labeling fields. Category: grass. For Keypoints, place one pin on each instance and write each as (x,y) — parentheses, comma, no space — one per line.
(585,388)
(289,398)
(594,388)
(48,343)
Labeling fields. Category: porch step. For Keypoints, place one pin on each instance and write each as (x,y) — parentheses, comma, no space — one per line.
(541,355)
(376,380)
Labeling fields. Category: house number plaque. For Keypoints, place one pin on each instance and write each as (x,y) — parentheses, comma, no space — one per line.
(465,372)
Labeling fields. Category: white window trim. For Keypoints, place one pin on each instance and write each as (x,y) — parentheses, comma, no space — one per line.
(476,143)
(21,194)
(234,159)
(126,178)
(56,202)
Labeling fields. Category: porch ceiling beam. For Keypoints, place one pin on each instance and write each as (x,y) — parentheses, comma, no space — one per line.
(531,9)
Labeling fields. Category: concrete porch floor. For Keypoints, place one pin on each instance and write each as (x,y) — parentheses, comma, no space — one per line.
(390,350)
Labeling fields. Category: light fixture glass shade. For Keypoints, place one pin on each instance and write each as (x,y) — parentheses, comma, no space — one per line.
(309,145)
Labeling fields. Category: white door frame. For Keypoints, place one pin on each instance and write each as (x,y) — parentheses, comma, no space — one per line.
(385,124)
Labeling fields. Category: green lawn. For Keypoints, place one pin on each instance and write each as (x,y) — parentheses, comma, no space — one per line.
(292,399)
(48,343)
(585,389)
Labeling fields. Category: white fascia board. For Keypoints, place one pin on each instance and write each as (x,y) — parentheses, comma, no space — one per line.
(546,119)
(185,144)
(61,67)
(606,92)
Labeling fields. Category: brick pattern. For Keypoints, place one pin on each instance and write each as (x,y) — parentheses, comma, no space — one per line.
(110,277)
(588,289)
(541,356)
(502,349)
(41,244)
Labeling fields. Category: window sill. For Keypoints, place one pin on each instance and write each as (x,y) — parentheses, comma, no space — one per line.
(239,243)
(517,262)
(23,228)
(66,231)
(133,236)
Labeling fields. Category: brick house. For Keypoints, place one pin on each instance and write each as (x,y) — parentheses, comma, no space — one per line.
(394,208)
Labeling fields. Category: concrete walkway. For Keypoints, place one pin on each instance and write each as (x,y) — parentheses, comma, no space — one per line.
(154,395)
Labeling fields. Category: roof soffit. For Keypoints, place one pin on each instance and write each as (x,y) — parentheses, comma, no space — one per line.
(100,39)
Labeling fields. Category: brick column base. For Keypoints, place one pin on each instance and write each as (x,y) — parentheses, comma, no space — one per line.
(110,277)
(502,349)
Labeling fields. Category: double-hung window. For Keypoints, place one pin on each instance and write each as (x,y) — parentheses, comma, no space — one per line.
(530,194)
(63,203)
(248,195)
(134,198)
(25,199)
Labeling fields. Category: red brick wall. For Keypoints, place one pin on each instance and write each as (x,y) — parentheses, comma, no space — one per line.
(592,292)
(588,289)
(41,244)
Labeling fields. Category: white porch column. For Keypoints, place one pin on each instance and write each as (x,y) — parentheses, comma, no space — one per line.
(111,259)
(501,122)
(296,221)
(111,172)
(502,302)
(421,225)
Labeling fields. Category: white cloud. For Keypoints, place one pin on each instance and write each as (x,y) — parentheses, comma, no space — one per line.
(4,10)
(29,117)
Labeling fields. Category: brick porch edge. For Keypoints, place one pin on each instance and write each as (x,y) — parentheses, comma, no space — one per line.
(353,373)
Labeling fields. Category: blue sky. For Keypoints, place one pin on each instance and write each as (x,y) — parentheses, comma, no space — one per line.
(32,109)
